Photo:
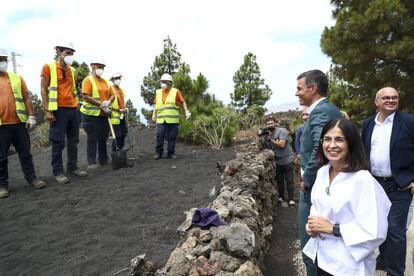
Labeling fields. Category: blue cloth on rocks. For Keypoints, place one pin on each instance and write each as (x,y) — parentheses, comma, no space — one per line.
(206,217)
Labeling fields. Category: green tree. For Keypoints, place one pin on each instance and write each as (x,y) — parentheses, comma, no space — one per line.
(82,71)
(169,61)
(371,46)
(38,108)
(133,117)
(249,88)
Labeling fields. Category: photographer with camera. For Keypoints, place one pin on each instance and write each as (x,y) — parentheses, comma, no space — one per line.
(277,139)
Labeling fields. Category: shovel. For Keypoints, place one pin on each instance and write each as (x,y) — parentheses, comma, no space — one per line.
(119,157)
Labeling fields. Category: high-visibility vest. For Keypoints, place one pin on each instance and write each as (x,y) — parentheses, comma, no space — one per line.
(167,112)
(53,87)
(18,97)
(88,108)
(115,115)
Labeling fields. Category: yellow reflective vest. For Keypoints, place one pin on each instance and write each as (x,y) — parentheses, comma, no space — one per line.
(115,115)
(53,87)
(167,112)
(16,85)
(88,108)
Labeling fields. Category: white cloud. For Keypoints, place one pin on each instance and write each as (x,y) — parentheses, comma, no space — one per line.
(212,37)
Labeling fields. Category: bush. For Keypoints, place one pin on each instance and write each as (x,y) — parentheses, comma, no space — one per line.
(40,136)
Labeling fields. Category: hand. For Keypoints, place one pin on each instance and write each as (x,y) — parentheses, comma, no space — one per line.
(50,116)
(318,224)
(31,122)
(105,104)
(310,232)
(410,187)
(126,110)
(302,186)
(187,115)
(154,118)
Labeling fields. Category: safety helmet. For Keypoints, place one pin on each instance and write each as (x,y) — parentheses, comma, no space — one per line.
(116,75)
(166,77)
(3,53)
(68,45)
(98,61)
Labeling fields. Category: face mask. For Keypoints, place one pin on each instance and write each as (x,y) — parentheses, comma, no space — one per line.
(164,85)
(271,128)
(3,66)
(99,72)
(117,82)
(68,60)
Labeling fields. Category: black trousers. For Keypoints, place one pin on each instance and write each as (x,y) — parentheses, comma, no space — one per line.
(16,135)
(97,130)
(120,134)
(65,126)
(284,174)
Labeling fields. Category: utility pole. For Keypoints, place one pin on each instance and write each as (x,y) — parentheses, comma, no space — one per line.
(14,61)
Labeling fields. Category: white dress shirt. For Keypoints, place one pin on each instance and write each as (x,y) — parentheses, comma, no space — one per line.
(380,147)
(358,203)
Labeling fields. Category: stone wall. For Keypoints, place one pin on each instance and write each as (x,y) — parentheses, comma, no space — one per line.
(245,202)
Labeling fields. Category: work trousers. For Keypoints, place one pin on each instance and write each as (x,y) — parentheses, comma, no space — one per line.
(393,251)
(120,134)
(284,174)
(172,131)
(16,135)
(65,125)
(304,210)
(97,130)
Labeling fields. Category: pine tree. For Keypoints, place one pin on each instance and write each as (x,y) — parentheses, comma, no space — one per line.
(37,108)
(82,71)
(133,117)
(169,61)
(371,46)
(249,88)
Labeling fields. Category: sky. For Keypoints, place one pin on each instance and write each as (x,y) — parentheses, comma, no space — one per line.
(212,36)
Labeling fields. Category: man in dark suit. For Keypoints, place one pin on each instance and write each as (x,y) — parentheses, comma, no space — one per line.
(388,138)
(312,89)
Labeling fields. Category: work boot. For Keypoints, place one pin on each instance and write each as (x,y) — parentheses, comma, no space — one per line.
(172,156)
(292,203)
(62,179)
(92,167)
(79,172)
(157,156)
(4,193)
(38,183)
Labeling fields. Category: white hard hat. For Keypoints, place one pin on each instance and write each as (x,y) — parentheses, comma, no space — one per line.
(116,75)
(3,53)
(68,45)
(98,61)
(166,77)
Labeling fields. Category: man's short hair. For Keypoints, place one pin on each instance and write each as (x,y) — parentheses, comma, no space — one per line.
(270,118)
(317,78)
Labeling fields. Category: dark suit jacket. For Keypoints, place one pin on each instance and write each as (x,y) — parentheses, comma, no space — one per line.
(401,146)
(309,141)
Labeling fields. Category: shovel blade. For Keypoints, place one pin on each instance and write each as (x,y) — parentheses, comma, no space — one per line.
(119,159)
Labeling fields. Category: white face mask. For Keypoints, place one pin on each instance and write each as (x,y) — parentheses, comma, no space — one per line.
(3,66)
(117,82)
(68,60)
(99,72)
(164,85)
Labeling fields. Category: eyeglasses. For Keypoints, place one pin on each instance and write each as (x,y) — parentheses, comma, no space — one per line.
(337,140)
(388,98)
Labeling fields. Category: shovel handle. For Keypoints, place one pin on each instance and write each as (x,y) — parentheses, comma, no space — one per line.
(112,128)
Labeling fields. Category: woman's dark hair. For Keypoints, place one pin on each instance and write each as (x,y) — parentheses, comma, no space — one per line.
(356,157)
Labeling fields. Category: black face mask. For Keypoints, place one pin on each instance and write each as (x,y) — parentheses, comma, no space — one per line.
(271,129)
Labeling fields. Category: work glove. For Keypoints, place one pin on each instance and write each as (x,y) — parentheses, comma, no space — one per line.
(187,115)
(31,122)
(106,107)
(121,117)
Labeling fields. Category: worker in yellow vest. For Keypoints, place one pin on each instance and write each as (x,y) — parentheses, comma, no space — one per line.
(16,113)
(60,102)
(167,116)
(118,112)
(95,111)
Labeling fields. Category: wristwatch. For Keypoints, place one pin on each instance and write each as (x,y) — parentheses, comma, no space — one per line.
(336,231)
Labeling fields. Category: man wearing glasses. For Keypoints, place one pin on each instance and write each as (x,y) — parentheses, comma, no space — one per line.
(388,137)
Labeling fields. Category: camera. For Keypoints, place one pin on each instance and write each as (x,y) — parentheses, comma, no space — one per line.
(265,131)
